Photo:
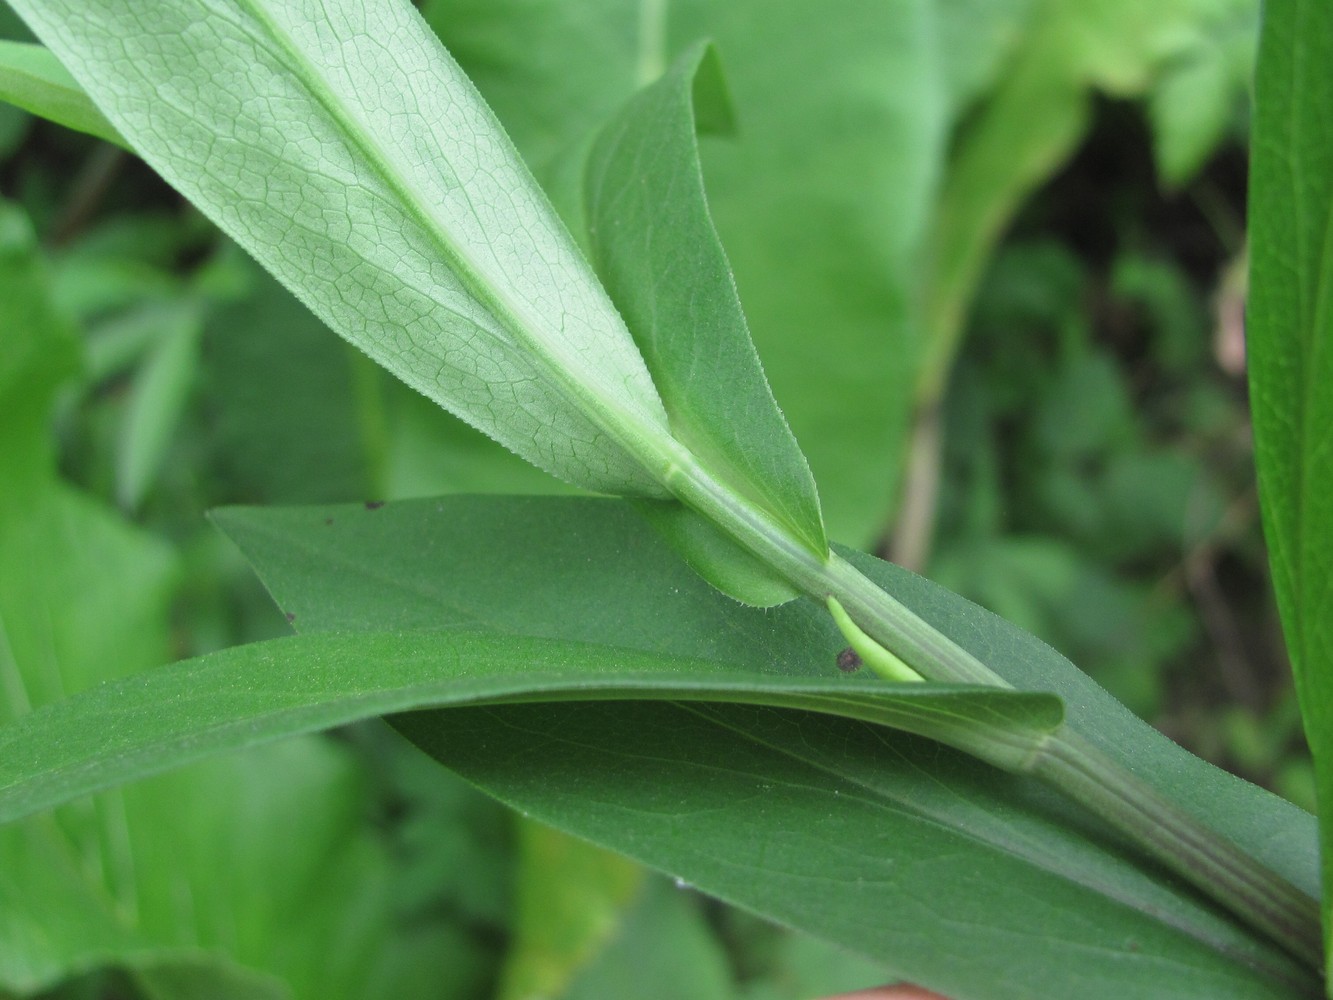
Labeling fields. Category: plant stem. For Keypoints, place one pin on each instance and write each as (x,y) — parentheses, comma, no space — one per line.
(1219,868)
(1249,889)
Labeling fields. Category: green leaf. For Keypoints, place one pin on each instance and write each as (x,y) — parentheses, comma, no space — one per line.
(1290,348)
(249,694)
(813,820)
(645,220)
(977,39)
(851,834)
(715,557)
(1203,88)
(352,158)
(157,401)
(663,951)
(34,80)
(821,200)
(654,246)
(1026,128)
(37,352)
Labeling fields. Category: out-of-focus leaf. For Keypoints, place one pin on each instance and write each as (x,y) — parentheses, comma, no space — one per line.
(287,419)
(1203,87)
(663,951)
(1023,130)
(255,693)
(33,79)
(131,878)
(805,967)
(380,188)
(977,39)
(157,403)
(572,898)
(1290,345)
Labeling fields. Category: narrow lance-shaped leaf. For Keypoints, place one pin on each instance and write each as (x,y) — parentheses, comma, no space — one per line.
(33,79)
(341,146)
(653,243)
(261,692)
(1290,346)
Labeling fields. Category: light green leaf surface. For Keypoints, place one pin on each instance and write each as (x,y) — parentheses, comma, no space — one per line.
(664,951)
(644,218)
(1290,348)
(344,149)
(33,79)
(855,835)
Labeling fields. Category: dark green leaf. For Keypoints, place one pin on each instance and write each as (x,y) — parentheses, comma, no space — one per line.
(364,171)
(821,199)
(877,841)
(1290,337)
(250,694)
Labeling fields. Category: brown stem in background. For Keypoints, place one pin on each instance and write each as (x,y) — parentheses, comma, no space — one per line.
(90,187)
(914,529)
(1197,572)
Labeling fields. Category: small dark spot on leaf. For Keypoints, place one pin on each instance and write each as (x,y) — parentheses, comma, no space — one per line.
(848,661)
(290,616)
(374,504)
(328,521)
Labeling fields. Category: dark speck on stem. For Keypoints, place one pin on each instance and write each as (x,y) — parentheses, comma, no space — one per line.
(374,504)
(290,616)
(328,521)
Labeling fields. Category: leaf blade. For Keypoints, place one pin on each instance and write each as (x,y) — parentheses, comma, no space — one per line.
(249,694)
(654,245)
(348,154)
(1290,365)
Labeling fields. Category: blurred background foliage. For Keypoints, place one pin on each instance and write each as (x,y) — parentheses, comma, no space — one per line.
(992,252)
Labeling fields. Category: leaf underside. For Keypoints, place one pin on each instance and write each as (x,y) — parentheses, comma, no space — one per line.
(345,150)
